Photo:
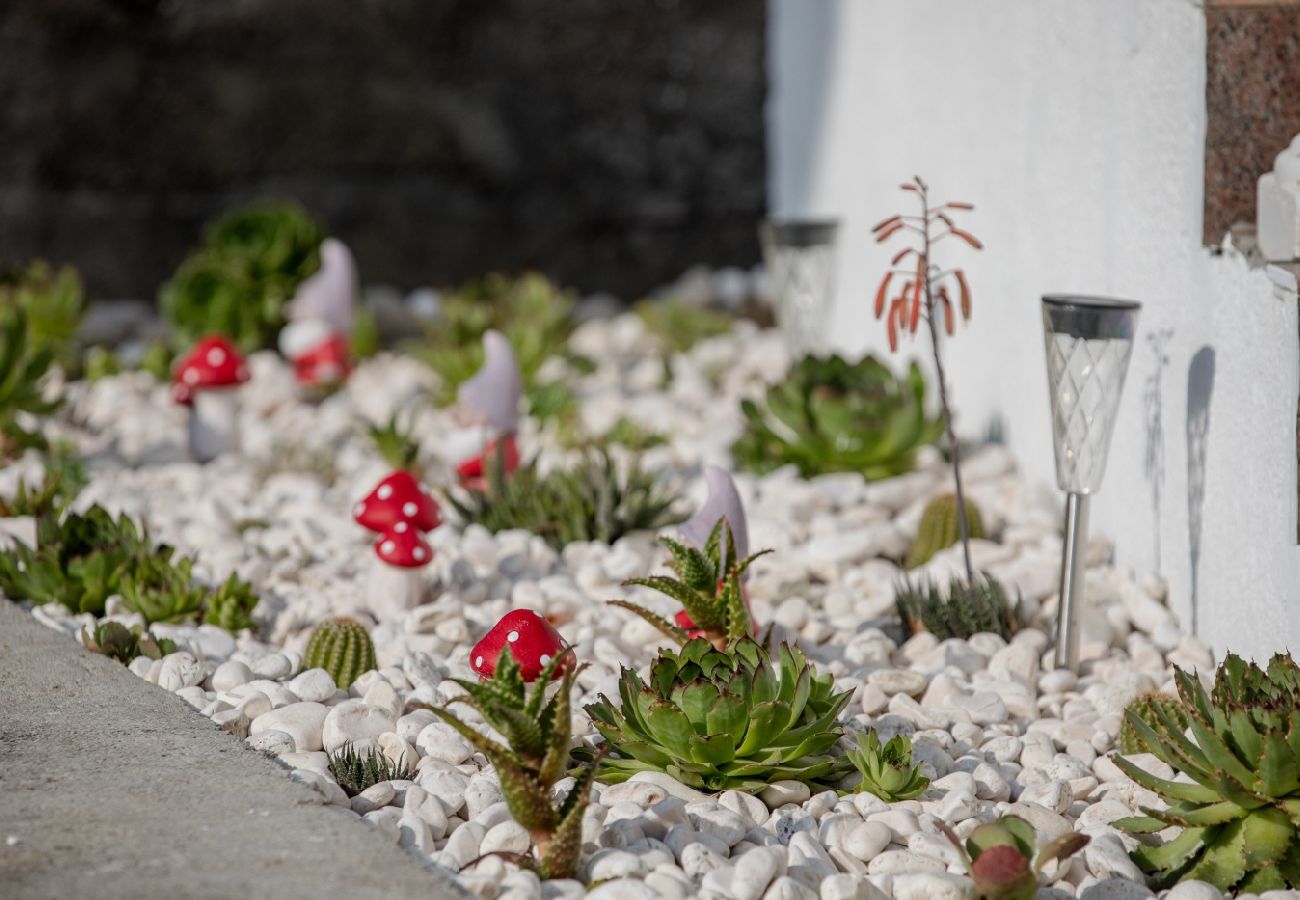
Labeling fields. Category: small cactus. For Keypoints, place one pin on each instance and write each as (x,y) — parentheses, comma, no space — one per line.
(939,528)
(1148,708)
(341,647)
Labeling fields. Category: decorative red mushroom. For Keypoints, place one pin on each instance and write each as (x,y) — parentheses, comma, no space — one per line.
(207,381)
(399,498)
(532,640)
(396,584)
(472,472)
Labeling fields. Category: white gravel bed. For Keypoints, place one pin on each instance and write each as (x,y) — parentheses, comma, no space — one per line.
(993,725)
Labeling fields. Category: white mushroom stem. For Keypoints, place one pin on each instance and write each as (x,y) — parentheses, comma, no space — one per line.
(393,590)
(214,422)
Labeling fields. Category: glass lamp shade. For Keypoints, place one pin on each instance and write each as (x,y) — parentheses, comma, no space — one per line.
(1089,341)
(800,257)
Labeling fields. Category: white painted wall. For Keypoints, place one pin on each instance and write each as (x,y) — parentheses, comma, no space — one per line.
(1077,128)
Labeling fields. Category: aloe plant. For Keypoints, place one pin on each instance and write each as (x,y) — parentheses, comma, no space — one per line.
(535,755)
(708,584)
(829,415)
(718,720)
(1239,808)
(964,609)
(23,366)
(887,769)
(237,282)
(355,771)
(591,500)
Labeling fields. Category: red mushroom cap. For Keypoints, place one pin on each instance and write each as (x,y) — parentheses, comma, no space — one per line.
(325,364)
(470,472)
(403,547)
(212,362)
(398,499)
(533,641)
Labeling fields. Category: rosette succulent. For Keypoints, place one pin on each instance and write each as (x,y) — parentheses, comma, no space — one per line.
(1240,810)
(708,585)
(1002,859)
(719,720)
(115,640)
(829,415)
(887,769)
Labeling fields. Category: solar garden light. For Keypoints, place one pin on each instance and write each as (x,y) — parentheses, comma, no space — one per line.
(800,256)
(1089,341)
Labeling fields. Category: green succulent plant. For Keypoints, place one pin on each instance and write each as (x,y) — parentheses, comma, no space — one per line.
(708,584)
(829,415)
(396,444)
(534,757)
(79,560)
(355,771)
(624,432)
(1240,810)
(1001,857)
(366,342)
(231,605)
(1149,707)
(939,528)
(679,325)
(163,590)
(23,366)
(887,769)
(63,480)
(531,311)
(590,500)
(238,280)
(719,721)
(343,648)
(53,303)
(966,608)
(115,640)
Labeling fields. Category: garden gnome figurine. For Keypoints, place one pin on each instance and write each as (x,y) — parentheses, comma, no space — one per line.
(1279,207)
(723,501)
(487,407)
(316,339)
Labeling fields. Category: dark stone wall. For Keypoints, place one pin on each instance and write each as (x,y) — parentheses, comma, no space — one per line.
(1252,99)
(611,143)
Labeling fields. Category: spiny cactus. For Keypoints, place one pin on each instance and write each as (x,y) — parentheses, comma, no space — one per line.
(534,757)
(1239,804)
(939,528)
(709,587)
(1149,707)
(887,769)
(355,771)
(964,609)
(342,647)
(1002,858)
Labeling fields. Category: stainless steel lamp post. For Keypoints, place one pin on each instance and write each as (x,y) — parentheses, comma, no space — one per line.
(800,257)
(1089,341)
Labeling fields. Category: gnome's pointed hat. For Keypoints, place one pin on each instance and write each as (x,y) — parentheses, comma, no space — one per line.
(723,502)
(494,390)
(331,293)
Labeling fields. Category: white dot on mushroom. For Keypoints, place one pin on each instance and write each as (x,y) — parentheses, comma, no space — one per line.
(512,636)
(478,661)
(387,546)
(400,528)
(545,659)
(409,508)
(216,356)
(385,491)
(418,553)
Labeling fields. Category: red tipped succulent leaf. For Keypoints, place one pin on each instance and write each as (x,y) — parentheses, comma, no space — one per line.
(528,637)
(471,471)
(398,498)
(403,547)
(1003,873)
